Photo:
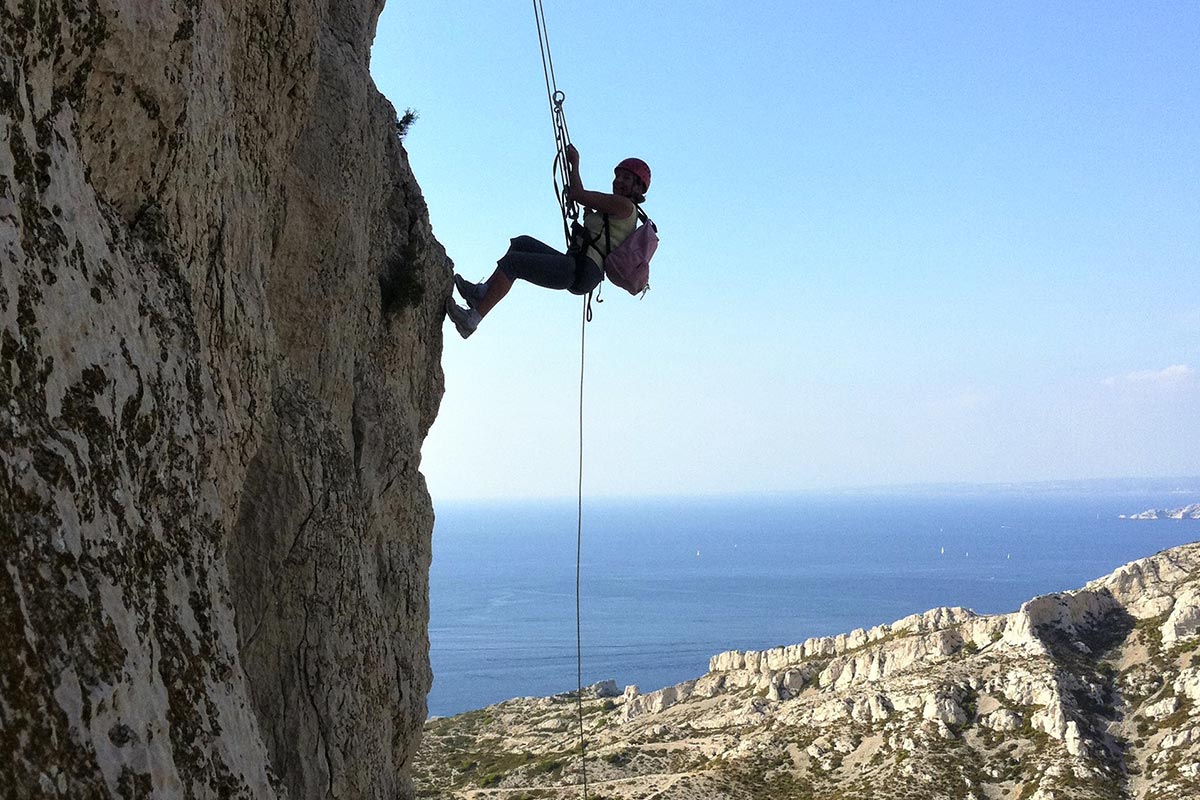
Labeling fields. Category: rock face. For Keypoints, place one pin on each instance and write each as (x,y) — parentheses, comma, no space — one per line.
(1093,693)
(220,328)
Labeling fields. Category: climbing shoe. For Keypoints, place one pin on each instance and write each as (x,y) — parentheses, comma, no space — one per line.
(465,319)
(471,292)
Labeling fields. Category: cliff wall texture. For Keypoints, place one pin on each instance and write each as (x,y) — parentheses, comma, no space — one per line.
(220,308)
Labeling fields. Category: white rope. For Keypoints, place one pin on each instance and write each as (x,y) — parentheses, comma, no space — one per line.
(558,121)
(562,140)
(578,561)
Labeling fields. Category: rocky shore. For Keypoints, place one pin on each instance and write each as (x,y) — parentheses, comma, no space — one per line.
(1185,512)
(1092,693)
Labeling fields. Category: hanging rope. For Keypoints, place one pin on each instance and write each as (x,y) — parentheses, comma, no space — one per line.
(558,120)
(570,213)
(578,561)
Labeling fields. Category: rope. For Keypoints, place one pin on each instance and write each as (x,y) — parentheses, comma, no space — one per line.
(558,121)
(570,212)
(578,560)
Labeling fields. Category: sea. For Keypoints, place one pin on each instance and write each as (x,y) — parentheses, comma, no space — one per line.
(666,583)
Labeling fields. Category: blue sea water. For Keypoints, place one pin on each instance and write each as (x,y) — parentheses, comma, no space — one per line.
(668,583)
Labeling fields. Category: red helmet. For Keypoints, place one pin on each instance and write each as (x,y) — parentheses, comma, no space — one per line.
(637,167)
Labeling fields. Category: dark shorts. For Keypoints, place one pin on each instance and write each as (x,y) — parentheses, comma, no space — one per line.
(539,263)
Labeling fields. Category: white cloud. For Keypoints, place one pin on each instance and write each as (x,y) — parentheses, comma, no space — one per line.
(1173,375)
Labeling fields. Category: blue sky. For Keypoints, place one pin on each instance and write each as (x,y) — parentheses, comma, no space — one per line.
(901,242)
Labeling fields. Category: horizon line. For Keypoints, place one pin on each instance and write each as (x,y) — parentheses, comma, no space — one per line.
(1116,483)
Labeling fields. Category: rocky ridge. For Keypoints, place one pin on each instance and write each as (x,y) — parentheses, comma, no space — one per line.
(220,312)
(1093,693)
(1191,511)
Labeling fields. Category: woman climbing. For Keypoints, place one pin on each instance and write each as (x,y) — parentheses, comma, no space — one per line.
(580,269)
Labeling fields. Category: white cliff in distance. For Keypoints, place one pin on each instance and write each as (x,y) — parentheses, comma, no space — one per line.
(1086,694)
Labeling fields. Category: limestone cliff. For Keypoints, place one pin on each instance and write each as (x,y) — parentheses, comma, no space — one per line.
(220,328)
(1191,511)
(1090,694)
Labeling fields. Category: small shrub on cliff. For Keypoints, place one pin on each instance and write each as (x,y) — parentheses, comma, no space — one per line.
(399,286)
(547,766)
(405,121)
(464,764)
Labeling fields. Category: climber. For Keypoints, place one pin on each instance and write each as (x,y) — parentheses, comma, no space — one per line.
(580,269)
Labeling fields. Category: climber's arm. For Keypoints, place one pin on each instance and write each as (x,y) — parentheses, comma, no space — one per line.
(605,203)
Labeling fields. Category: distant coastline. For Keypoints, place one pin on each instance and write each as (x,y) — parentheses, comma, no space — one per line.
(1191,511)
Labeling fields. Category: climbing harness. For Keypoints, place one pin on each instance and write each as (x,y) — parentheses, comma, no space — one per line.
(570,214)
